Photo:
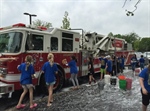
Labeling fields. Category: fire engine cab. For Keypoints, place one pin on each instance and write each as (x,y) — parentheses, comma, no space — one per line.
(20,40)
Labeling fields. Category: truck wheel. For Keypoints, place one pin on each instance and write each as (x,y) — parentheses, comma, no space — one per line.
(42,88)
(59,81)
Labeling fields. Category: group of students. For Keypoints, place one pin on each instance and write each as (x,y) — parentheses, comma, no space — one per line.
(135,62)
(73,71)
(111,65)
(27,74)
(144,79)
(49,69)
(144,76)
(108,66)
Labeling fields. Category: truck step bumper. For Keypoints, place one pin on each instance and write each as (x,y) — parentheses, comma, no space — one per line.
(6,88)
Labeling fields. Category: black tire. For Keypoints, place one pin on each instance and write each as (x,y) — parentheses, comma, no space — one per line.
(42,88)
(60,80)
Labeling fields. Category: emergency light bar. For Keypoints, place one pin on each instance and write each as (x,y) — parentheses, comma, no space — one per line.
(23,25)
(15,25)
(19,25)
(42,28)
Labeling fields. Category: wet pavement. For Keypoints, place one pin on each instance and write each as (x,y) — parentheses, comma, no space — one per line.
(91,98)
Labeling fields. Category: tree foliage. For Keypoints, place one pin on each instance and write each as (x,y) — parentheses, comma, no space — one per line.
(42,23)
(144,44)
(130,38)
(110,34)
(136,45)
(66,21)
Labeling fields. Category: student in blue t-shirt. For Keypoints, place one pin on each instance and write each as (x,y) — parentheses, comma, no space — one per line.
(145,87)
(27,73)
(109,65)
(142,61)
(73,72)
(103,66)
(133,62)
(50,69)
(121,63)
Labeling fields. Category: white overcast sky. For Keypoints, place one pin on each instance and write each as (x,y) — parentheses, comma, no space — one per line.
(101,16)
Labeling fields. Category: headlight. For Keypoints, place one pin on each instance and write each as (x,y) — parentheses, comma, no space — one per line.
(3,71)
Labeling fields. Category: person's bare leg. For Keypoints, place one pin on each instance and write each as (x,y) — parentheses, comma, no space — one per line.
(77,82)
(93,79)
(25,90)
(31,96)
(90,79)
(144,108)
(50,97)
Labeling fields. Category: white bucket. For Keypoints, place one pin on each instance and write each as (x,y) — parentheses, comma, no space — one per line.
(126,68)
(107,79)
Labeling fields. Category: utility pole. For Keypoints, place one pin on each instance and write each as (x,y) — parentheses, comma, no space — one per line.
(114,42)
(30,17)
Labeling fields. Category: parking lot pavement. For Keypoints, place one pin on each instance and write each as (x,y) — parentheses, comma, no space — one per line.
(91,98)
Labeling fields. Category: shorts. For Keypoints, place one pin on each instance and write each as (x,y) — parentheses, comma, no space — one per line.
(90,72)
(145,98)
(142,65)
(27,86)
(103,71)
(133,67)
(51,83)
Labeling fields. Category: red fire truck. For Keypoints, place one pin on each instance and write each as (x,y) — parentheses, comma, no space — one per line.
(20,40)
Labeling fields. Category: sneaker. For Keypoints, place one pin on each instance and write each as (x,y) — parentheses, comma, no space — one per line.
(33,106)
(20,106)
(49,105)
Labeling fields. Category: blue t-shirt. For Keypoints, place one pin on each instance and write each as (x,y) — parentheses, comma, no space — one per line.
(73,67)
(49,72)
(26,77)
(121,62)
(134,61)
(145,74)
(109,66)
(141,60)
(103,62)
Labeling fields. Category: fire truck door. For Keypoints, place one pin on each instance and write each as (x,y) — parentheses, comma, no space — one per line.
(34,47)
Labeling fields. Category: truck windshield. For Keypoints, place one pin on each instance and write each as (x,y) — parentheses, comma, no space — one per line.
(10,42)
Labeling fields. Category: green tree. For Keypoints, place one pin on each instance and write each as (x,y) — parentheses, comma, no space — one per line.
(66,21)
(38,22)
(144,44)
(136,45)
(118,36)
(110,34)
(131,37)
